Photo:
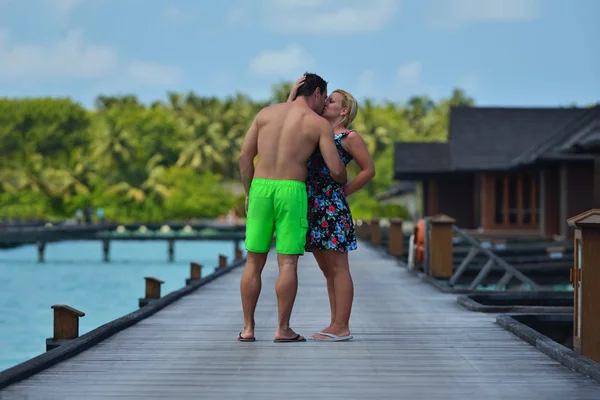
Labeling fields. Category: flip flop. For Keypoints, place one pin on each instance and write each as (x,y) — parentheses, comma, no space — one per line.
(332,338)
(295,339)
(243,339)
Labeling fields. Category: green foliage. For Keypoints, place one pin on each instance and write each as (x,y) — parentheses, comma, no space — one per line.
(174,159)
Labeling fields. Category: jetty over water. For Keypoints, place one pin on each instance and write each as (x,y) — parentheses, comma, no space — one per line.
(107,233)
(411,341)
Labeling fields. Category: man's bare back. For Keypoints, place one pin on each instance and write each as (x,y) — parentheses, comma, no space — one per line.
(287,134)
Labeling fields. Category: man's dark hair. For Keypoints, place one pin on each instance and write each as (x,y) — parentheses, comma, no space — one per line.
(311,83)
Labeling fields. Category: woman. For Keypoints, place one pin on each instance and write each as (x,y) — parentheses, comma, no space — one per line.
(331,233)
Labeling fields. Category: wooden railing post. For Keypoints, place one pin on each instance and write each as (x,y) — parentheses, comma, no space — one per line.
(585,276)
(41,247)
(222,261)
(152,290)
(441,248)
(171,250)
(106,249)
(366,230)
(66,325)
(396,237)
(375,232)
(195,273)
(238,252)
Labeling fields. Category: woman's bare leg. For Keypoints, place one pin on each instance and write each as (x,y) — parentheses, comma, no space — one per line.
(322,261)
(337,264)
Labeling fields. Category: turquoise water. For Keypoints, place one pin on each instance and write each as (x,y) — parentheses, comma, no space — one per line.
(74,274)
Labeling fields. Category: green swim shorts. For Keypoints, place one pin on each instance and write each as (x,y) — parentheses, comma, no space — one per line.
(280,206)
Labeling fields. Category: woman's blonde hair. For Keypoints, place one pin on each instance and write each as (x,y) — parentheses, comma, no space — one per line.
(351,104)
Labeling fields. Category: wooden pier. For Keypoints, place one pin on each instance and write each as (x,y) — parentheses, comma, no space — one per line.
(410,342)
(107,233)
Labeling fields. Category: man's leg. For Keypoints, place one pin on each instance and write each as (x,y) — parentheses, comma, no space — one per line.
(250,287)
(286,289)
(259,236)
(291,208)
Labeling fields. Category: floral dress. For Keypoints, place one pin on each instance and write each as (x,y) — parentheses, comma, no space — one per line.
(330,225)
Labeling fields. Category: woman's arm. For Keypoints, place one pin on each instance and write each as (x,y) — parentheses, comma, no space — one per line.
(358,149)
(295,87)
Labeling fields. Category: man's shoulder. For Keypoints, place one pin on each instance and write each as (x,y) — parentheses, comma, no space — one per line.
(317,122)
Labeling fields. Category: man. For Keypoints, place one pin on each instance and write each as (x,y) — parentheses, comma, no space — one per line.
(283,137)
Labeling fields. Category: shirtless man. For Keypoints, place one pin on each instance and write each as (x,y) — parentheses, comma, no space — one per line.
(283,137)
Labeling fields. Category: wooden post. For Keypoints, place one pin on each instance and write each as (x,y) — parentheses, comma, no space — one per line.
(597,180)
(41,246)
(152,290)
(195,273)
(171,250)
(441,249)
(375,232)
(366,231)
(396,237)
(222,261)
(358,227)
(66,325)
(106,249)
(585,276)
(238,254)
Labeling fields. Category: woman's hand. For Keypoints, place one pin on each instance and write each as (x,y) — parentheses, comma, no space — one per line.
(299,82)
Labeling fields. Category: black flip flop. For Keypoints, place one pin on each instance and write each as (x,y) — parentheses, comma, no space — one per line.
(296,339)
(243,339)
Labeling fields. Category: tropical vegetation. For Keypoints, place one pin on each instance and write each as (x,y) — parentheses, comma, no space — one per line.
(172,159)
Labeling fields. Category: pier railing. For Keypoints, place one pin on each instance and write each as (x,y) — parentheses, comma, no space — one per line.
(66,342)
(510,271)
(107,233)
(478,261)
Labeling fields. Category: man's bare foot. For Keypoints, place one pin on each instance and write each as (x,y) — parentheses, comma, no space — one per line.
(288,335)
(246,335)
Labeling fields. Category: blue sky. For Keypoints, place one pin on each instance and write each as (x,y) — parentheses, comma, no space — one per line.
(502,52)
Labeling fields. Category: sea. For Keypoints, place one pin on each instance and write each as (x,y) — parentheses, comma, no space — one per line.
(75,274)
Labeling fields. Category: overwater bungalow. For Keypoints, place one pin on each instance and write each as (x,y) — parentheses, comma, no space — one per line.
(507,171)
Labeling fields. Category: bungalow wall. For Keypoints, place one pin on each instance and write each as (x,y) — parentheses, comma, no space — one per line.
(451,195)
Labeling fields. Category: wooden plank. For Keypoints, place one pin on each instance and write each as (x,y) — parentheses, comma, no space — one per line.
(411,341)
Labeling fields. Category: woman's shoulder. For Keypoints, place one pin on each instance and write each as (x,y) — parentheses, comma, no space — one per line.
(350,133)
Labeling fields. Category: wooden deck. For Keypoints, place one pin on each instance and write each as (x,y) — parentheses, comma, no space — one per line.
(411,342)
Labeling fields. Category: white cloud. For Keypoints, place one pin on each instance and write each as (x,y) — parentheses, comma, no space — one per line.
(68,58)
(347,17)
(288,60)
(73,59)
(455,13)
(153,73)
(410,73)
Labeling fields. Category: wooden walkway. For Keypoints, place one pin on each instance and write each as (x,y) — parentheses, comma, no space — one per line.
(411,342)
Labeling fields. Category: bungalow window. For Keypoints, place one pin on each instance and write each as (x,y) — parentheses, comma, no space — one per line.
(515,201)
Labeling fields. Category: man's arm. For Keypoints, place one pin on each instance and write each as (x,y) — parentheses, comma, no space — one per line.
(249,151)
(330,153)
